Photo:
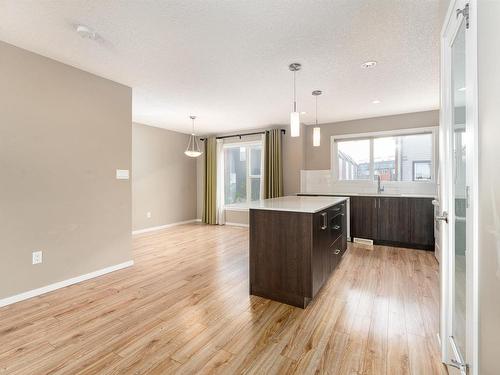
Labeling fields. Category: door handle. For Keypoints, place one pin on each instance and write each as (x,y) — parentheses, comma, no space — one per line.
(324,226)
(442,217)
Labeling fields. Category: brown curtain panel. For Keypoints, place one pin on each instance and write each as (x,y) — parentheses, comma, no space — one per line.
(210,193)
(273,165)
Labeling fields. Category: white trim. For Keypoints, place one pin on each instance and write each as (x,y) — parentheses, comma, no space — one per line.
(238,224)
(243,144)
(238,209)
(334,168)
(152,229)
(383,133)
(448,33)
(61,284)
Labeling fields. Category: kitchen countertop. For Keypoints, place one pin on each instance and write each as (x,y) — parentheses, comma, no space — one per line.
(291,204)
(369,195)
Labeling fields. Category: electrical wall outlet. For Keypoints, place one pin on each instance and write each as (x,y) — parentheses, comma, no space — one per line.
(37,257)
(148,214)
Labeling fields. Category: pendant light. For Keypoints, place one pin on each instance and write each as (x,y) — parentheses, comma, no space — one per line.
(294,115)
(193,148)
(316,129)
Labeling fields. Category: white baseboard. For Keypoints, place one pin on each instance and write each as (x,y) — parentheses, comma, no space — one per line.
(62,284)
(152,229)
(237,224)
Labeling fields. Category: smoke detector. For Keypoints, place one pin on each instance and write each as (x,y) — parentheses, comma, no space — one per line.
(86,32)
(369,64)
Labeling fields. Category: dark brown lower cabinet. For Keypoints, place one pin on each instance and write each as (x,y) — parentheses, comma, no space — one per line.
(363,216)
(421,223)
(293,254)
(393,218)
(396,221)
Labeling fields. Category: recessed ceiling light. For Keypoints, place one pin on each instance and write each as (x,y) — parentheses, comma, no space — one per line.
(461,89)
(369,64)
(86,32)
(376,102)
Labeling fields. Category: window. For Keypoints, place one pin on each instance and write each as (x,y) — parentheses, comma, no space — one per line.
(354,159)
(422,170)
(242,172)
(393,158)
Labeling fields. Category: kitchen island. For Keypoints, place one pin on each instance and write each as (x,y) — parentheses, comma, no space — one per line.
(295,245)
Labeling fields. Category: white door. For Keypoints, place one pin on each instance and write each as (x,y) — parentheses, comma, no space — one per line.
(458,187)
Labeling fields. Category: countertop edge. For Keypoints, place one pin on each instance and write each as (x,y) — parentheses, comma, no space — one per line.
(367,195)
(304,211)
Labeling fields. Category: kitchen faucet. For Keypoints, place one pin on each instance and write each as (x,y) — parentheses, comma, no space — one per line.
(380,189)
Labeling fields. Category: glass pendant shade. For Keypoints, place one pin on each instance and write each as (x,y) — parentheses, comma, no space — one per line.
(316,136)
(295,124)
(316,129)
(193,148)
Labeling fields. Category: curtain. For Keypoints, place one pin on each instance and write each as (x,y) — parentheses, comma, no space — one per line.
(273,171)
(262,167)
(220,216)
(210,186)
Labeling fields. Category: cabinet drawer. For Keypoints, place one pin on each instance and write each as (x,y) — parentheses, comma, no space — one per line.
(335,253)
(336,226)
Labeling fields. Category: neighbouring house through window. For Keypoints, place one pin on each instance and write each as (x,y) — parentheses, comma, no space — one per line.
(405,157)
(242,172)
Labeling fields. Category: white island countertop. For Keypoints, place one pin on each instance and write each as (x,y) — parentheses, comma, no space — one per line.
(291,204)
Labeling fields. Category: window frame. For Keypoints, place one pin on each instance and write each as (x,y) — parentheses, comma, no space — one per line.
(334,167)
(247,145)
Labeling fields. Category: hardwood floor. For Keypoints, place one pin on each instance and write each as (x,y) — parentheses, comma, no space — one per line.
(184,308)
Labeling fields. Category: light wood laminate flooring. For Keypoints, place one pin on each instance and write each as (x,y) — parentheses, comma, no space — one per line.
(184,308)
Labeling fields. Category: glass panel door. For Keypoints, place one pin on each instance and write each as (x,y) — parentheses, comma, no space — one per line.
(459,219)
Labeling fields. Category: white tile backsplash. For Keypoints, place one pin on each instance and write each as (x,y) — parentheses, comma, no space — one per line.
(322,181)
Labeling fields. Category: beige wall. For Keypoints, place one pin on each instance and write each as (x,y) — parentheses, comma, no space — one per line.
(294,159)
(319,157)
(489,184)
(63,133)
(163,178)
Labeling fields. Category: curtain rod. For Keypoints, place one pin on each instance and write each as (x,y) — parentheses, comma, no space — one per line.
(283,131)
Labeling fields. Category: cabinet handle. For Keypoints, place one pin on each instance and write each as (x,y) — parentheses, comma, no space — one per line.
(336,251)
(336,227)
(324,226)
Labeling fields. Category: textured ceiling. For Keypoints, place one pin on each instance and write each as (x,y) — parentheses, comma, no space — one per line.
(226,61)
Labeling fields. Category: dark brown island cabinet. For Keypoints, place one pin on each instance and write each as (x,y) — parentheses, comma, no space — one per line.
(295,245)
(395,221)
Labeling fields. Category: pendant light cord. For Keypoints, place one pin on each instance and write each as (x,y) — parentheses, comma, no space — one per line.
(294,93)
(316,110)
